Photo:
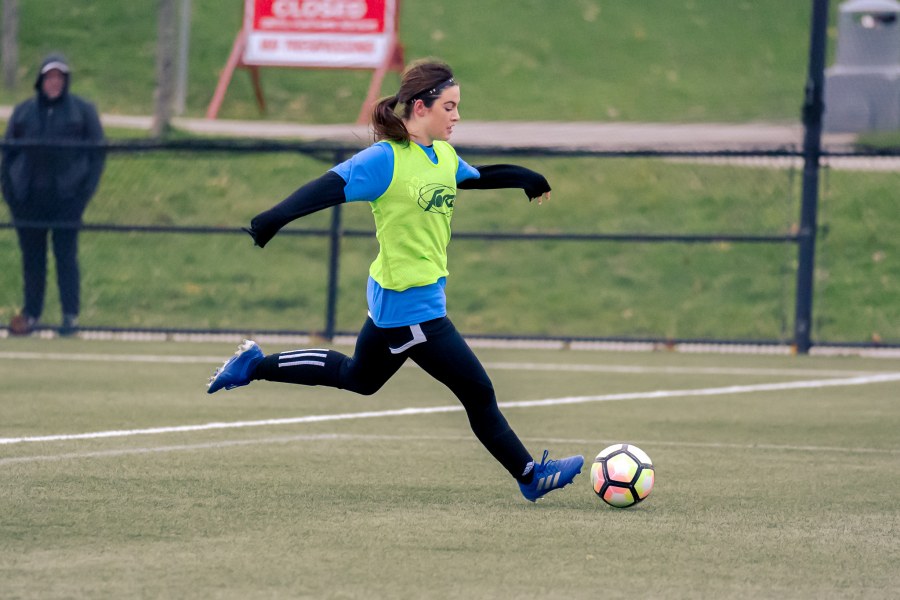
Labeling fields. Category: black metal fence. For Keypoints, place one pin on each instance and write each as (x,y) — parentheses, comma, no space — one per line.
(160,254)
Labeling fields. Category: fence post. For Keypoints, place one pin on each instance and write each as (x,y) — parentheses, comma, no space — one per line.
(9,42)
(813,107)
(337,232)
(165,63)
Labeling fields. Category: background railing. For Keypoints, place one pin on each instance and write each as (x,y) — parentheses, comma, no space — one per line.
(666,246)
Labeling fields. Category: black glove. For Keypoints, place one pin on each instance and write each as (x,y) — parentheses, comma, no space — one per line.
(257,239)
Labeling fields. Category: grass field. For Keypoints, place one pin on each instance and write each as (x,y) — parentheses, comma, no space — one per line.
(697,60)
(777,476)
(724,290)
(598,60)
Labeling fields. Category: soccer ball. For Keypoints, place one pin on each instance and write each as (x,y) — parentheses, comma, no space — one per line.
(622,475)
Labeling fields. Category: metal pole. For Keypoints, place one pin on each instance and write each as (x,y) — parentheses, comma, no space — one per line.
(10,43)
(165,62)
(184,38)
(337,232)
(813,107)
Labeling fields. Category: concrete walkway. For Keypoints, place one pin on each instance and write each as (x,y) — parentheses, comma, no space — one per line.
(587,135)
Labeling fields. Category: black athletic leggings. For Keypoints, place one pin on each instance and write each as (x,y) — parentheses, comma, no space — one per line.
(437,347)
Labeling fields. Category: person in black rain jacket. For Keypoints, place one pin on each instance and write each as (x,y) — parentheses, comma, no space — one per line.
(48,188)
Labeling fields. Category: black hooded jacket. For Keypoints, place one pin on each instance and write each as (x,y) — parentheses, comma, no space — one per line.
(42,182)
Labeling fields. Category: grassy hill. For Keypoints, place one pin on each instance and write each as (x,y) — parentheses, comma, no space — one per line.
(598,60)
(692,60)
(554,288)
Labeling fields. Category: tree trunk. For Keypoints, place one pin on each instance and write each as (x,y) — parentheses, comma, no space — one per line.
(165,68)
(10,43)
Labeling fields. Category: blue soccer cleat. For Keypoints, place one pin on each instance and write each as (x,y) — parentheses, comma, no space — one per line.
(550,475)
(236,370)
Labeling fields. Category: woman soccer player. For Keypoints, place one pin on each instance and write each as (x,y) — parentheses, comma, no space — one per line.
(410,178)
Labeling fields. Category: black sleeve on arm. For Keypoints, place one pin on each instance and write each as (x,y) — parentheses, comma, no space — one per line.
(507,176)
(321,193)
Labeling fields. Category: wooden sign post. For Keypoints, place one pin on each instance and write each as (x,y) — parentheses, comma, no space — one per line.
(322,34)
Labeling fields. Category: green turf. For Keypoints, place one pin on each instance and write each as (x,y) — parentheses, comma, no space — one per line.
(698,60)
(788,493)
(725,290)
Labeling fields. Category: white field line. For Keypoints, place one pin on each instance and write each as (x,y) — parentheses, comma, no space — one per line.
(716,391)
(86,357)
(324,437)
(199,446)
(639,369)
(723,446)
(214,361)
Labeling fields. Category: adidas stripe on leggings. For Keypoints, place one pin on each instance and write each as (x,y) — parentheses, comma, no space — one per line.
(437,347)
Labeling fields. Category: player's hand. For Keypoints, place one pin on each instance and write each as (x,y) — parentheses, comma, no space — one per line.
(535,185)
(258,238)
(541,198)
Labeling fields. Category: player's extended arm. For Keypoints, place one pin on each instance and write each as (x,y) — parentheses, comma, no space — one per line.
(321,193)
(507,176)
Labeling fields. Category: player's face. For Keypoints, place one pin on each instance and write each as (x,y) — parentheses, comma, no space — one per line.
(443,115)
(52,83)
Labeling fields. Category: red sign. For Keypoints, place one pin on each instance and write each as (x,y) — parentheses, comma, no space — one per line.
(319,33)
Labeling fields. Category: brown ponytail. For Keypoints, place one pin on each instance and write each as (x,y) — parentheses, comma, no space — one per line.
(422,80)
(387,125)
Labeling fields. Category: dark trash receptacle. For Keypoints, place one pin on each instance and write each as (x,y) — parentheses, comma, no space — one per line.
(862,88)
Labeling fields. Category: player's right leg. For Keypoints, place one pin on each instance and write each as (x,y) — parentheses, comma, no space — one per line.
(371,365)
(237,370)
(446,357)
